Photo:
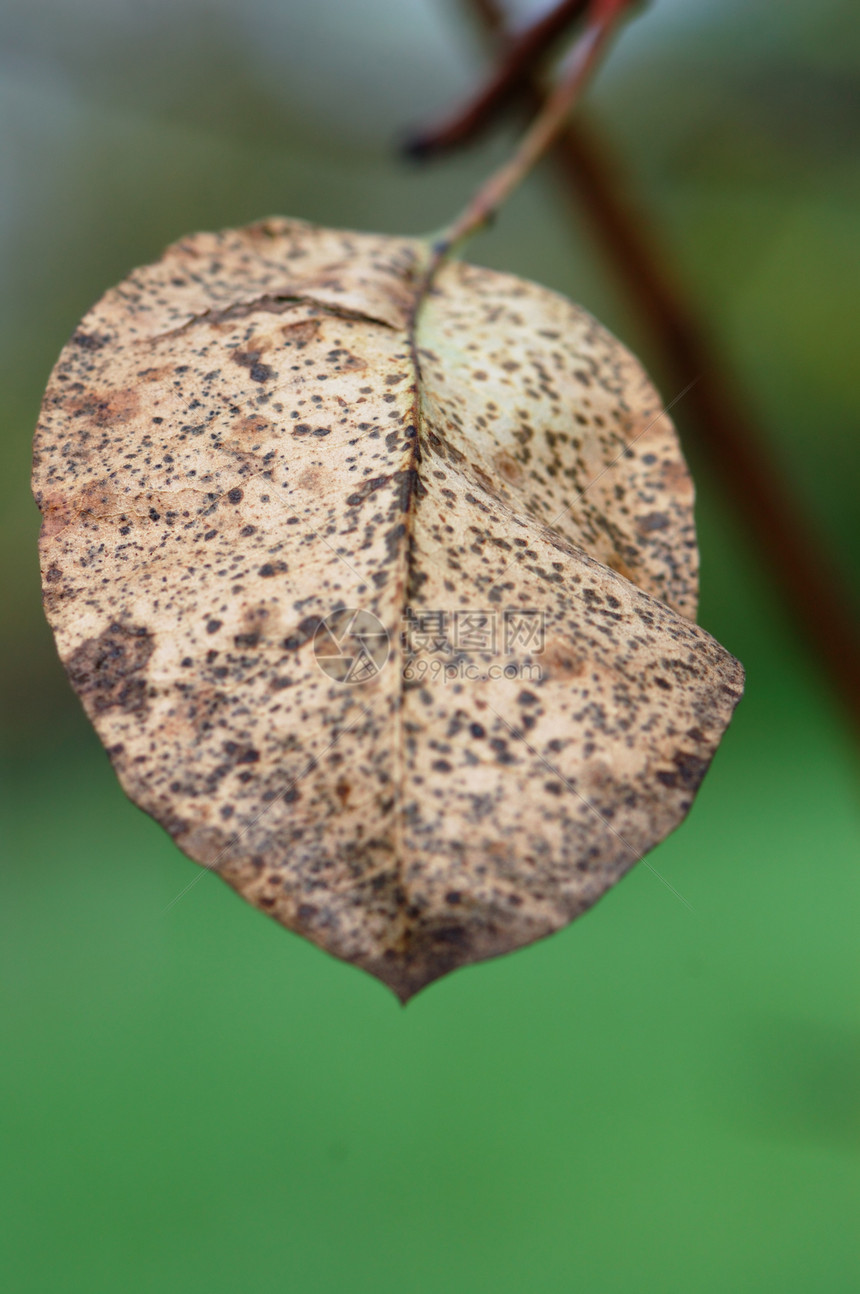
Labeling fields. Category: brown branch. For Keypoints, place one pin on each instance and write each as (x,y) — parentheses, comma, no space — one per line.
(551,113)
(794,555)
(519,61)
(796,558)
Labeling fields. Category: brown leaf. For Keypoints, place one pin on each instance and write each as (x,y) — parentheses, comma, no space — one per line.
(386,623)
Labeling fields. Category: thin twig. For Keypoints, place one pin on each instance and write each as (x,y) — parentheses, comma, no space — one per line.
(603,17)
(519,61)
(717,415)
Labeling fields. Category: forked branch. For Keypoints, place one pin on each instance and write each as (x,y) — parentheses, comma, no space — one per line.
(517,62)
(602,18)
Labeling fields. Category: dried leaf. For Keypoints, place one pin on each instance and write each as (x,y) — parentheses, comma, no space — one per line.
(386,622)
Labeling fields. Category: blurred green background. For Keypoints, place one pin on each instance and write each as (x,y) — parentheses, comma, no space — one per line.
(653,1100)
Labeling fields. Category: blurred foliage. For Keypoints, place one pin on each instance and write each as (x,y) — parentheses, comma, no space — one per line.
(652,1100)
